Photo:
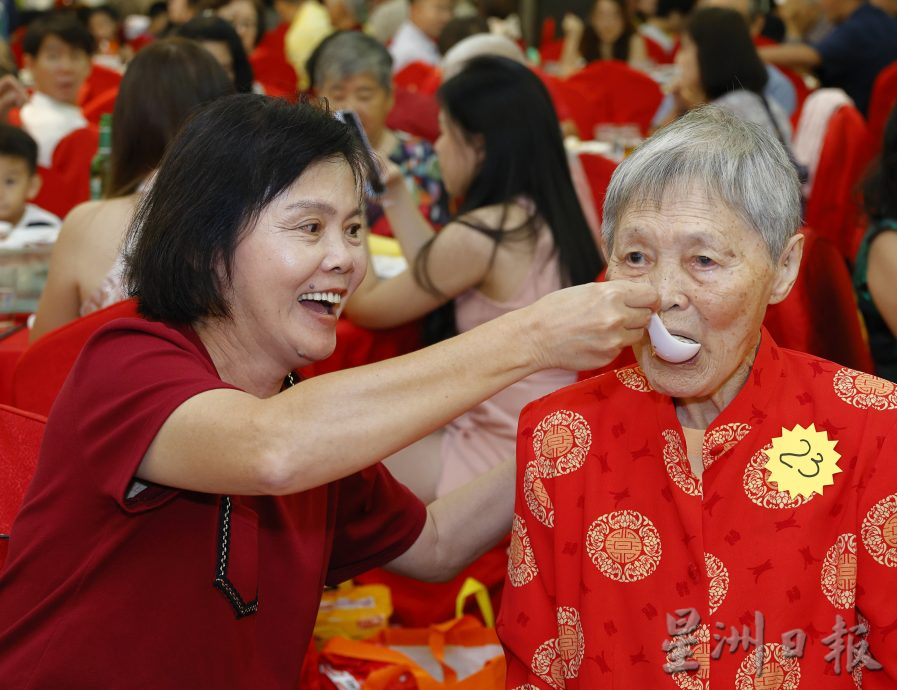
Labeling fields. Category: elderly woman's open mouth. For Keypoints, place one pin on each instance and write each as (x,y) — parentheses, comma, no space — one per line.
(320,302)
(671,348)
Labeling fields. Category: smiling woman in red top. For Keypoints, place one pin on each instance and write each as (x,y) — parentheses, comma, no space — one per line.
(190,502)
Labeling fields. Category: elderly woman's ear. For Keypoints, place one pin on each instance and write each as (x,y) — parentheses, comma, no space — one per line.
(787,268)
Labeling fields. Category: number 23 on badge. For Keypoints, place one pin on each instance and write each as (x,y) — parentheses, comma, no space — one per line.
(802,461)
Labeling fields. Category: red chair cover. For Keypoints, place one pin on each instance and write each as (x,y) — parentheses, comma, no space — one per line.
(833,209)
(45,365)
(20,437)
(801,91)
(99,81)
(820,316)
(556,90)
(270,65)
(418,77)
(612,91)
(881,103)
(100,105)
(415,112)
(598,170)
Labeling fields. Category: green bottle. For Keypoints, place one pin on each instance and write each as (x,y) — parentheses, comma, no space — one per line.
(99,166)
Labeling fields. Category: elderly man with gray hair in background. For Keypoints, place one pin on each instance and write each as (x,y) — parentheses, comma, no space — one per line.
(738,487)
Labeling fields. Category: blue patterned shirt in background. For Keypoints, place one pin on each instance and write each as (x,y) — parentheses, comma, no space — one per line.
(418,163)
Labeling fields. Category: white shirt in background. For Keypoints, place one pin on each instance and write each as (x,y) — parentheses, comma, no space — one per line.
(410,44)
(36,227)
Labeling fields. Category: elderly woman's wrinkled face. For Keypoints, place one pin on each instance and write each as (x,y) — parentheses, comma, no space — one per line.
(366,96)
(296,267)
(715,279)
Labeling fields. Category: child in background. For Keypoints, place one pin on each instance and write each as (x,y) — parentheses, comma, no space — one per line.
(58,51)
(19,182)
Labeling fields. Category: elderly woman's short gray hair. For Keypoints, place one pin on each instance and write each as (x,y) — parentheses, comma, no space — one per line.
(737,162)
(349,54)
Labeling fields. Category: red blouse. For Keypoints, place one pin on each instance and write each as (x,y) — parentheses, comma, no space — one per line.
(168,588)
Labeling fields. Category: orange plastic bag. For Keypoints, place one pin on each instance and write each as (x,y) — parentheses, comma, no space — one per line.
(460,654)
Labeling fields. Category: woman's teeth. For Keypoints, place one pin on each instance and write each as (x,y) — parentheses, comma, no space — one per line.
(331,297)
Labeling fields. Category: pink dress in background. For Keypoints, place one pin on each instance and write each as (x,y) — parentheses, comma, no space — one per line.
(485,436)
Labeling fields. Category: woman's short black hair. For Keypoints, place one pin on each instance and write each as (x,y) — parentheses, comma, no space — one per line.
(231,160)
(214,28)
(726,54)
(65,26)
(880,187)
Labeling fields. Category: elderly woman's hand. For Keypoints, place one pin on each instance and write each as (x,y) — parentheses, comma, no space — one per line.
(586,326)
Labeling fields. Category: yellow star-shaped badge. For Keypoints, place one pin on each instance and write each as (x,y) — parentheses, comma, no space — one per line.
(802,461)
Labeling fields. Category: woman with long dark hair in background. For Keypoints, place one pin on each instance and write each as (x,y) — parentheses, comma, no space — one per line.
(609,34)
(519,234)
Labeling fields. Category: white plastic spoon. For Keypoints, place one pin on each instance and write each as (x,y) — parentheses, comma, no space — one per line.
(667,346)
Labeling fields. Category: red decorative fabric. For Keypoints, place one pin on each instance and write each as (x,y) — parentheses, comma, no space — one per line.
(614,532)
(881,103)
(20,437)
(45,365)
(833,209)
